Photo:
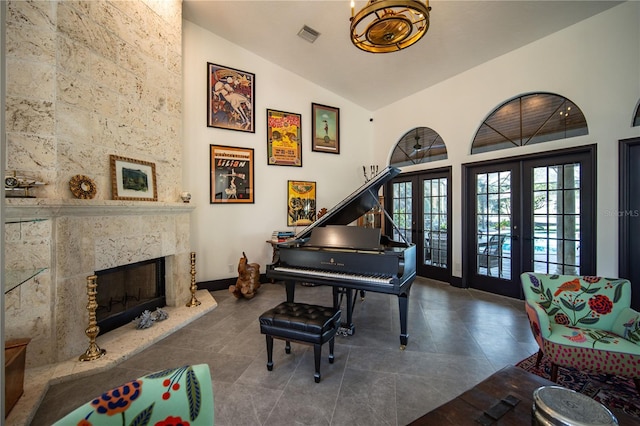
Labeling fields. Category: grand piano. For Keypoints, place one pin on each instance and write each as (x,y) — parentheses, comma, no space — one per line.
(350,258)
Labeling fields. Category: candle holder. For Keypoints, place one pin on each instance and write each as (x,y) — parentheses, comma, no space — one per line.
(373,170)
(93,352)
(193,302)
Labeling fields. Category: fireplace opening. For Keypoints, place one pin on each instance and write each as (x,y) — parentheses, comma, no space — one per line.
(125,292)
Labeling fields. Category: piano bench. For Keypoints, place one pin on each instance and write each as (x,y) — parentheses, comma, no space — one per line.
(302,323)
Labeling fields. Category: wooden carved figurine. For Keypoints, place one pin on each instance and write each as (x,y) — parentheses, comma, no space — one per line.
(248,281)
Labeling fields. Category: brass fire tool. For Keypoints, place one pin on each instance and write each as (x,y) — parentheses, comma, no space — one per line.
(194,287)
(93,352)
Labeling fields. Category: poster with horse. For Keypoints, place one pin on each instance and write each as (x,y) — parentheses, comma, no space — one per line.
(230,98)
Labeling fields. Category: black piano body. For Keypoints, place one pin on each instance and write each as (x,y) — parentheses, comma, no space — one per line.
(349,258)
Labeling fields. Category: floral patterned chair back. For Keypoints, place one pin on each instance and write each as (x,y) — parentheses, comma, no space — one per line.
(578,301)
(584,322)
(176,396)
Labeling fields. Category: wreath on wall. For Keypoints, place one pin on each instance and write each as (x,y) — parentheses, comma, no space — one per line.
(82,187)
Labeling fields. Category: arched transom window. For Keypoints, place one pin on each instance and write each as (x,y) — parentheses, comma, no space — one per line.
(419,145)
(529,119)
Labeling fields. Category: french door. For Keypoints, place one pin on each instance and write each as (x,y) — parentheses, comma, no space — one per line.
(420,206)
(629,216)
(530,214)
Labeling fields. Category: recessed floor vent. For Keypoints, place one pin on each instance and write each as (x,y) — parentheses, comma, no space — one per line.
(308,34)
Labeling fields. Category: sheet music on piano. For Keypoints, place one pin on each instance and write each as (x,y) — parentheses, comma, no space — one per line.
(349,258)
(349,237)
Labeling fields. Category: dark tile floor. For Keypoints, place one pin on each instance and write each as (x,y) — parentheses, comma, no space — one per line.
(457,338)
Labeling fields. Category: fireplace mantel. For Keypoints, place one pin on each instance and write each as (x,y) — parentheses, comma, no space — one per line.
(25,209)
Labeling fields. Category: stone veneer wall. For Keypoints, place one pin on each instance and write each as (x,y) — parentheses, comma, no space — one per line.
(87,79)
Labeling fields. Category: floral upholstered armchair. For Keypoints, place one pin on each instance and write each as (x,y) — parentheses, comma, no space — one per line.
(584,322)
(174,397)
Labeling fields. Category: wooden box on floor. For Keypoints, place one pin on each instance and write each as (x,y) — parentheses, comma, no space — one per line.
(14,362)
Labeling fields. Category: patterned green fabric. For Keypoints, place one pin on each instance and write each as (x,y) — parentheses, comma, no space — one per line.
(584,322)
(627,325)
(174,397)
(593,302)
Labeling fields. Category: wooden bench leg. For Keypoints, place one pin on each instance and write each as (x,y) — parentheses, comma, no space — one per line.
(554,372)
(317,354)
(269,352)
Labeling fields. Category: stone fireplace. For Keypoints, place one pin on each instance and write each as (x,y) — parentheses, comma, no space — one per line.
(129,290)
(73,239)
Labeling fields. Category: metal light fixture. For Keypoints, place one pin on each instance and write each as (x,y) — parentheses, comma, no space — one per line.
(389,25)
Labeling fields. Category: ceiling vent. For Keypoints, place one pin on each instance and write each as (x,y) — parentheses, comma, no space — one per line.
(308,34)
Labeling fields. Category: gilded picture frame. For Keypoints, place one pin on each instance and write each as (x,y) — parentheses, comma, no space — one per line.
(231,180)
(284,138)
(133,179)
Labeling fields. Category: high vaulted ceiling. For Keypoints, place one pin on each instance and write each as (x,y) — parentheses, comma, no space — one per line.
(462,35)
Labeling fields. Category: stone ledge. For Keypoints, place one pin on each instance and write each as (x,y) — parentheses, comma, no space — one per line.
(25,209)
(120,344)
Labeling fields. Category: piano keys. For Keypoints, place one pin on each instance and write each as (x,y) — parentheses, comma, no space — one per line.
(349,258)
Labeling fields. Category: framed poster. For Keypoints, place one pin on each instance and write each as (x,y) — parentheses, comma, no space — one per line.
(230,98)
(284,138)
(301,203)
(325,126)
(133,179)
(231,175)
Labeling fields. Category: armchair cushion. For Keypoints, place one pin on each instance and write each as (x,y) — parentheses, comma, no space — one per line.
(176,396)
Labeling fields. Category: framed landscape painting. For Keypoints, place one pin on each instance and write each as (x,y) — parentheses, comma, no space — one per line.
(230,98)
(326,128)
(284,138)
(133,179)
(231,175)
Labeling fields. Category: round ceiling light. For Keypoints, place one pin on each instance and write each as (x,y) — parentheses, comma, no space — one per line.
(389,25)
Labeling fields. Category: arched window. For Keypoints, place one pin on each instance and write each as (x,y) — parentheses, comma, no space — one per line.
(636,118)
(529,119)
(419,145)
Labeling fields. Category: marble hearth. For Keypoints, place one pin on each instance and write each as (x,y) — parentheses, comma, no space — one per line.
(120,345)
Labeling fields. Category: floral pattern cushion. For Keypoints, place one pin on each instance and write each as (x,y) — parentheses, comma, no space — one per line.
(584,322)
(174,397)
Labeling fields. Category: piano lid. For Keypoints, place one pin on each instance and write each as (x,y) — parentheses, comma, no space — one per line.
(355,205)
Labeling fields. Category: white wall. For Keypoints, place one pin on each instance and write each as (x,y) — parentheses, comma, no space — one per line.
(595,64)
(221,232)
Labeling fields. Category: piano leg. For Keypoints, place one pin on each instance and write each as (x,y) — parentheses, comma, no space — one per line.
(347,328)
(403,305)
(291,290)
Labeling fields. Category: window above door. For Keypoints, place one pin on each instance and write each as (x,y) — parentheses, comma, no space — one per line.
(529,119)
(418,145)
